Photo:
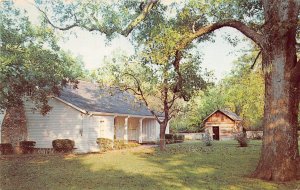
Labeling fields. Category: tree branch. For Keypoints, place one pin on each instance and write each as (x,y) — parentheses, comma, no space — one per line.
(247,31)
(141,94)
(54,26)
(171,102)
(256,58)
(124,32)
(139,18)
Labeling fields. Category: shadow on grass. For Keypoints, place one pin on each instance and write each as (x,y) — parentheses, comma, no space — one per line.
(182,166)
(60,172)
(221,166)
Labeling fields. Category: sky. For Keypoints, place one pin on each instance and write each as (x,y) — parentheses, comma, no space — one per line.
(217,56)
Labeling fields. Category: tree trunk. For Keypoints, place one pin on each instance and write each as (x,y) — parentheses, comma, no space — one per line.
(278,161)
(162,139)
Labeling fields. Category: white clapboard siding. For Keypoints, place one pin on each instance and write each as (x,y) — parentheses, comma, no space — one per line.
(62,122)
(99,127)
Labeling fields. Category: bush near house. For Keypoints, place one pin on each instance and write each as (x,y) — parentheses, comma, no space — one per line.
(6,148)
(105,144)
(27,147)
(120,144)
(169,138)
(241,139)
(63,145)
(174,138)
(108,144)
(207,139)
(178,138)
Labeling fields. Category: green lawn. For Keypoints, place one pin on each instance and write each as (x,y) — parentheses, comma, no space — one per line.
(182,166)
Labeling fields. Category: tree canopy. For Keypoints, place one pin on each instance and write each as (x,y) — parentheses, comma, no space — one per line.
(32,64)
(241,91)
(155,85)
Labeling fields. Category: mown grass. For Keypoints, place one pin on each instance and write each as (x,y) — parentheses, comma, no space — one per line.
(182,166)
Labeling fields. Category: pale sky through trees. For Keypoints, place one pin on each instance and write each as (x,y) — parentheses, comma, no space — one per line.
(218,56)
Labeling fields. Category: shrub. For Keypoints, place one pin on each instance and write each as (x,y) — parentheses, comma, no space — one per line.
(242,139)
(178,138)
(120,144)
(207,139)
(105,144)
(63,145)
(256,135)
(169,138)
(27,146)
(6,148)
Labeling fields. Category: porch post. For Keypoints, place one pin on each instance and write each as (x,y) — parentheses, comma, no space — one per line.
(141,130)
(126,130)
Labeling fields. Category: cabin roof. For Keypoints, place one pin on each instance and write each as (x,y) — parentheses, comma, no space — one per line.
(228,113)
(91,98)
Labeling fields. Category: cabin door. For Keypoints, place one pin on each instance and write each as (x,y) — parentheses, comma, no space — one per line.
(216,133)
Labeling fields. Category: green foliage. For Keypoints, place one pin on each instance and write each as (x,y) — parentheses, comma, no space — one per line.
(63,145)
(120,144)
(197,109)
(242,92)
(241,139)
(107,17)
(178,138)
(174,138)
(169,138)
(27,146)
(147,80)
(108,144)
(31,61)
(105,144)
(207,139)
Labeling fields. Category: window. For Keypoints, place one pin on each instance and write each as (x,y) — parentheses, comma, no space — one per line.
(101,127)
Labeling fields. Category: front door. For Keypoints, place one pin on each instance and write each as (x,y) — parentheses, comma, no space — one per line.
(216,134)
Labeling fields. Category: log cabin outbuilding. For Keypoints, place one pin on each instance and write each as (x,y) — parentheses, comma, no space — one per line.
(87,113)
(222,124)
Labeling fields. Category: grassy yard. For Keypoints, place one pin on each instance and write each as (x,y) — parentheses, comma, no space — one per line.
(182,166)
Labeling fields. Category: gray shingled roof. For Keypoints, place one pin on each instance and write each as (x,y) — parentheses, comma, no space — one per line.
(91,98)
(230,114)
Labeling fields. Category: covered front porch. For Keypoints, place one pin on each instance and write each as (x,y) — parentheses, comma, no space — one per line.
(139,129)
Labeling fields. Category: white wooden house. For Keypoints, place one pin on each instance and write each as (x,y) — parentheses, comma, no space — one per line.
(88,113)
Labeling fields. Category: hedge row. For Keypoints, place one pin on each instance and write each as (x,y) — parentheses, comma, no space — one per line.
(6,148)
(174,138)
(108,144)
(63,145)
(59,145)
(27,146)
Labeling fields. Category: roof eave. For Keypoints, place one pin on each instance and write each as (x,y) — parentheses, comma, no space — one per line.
(71,105)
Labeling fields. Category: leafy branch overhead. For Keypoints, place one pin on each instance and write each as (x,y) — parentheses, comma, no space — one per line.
(103,16)
(32,64)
